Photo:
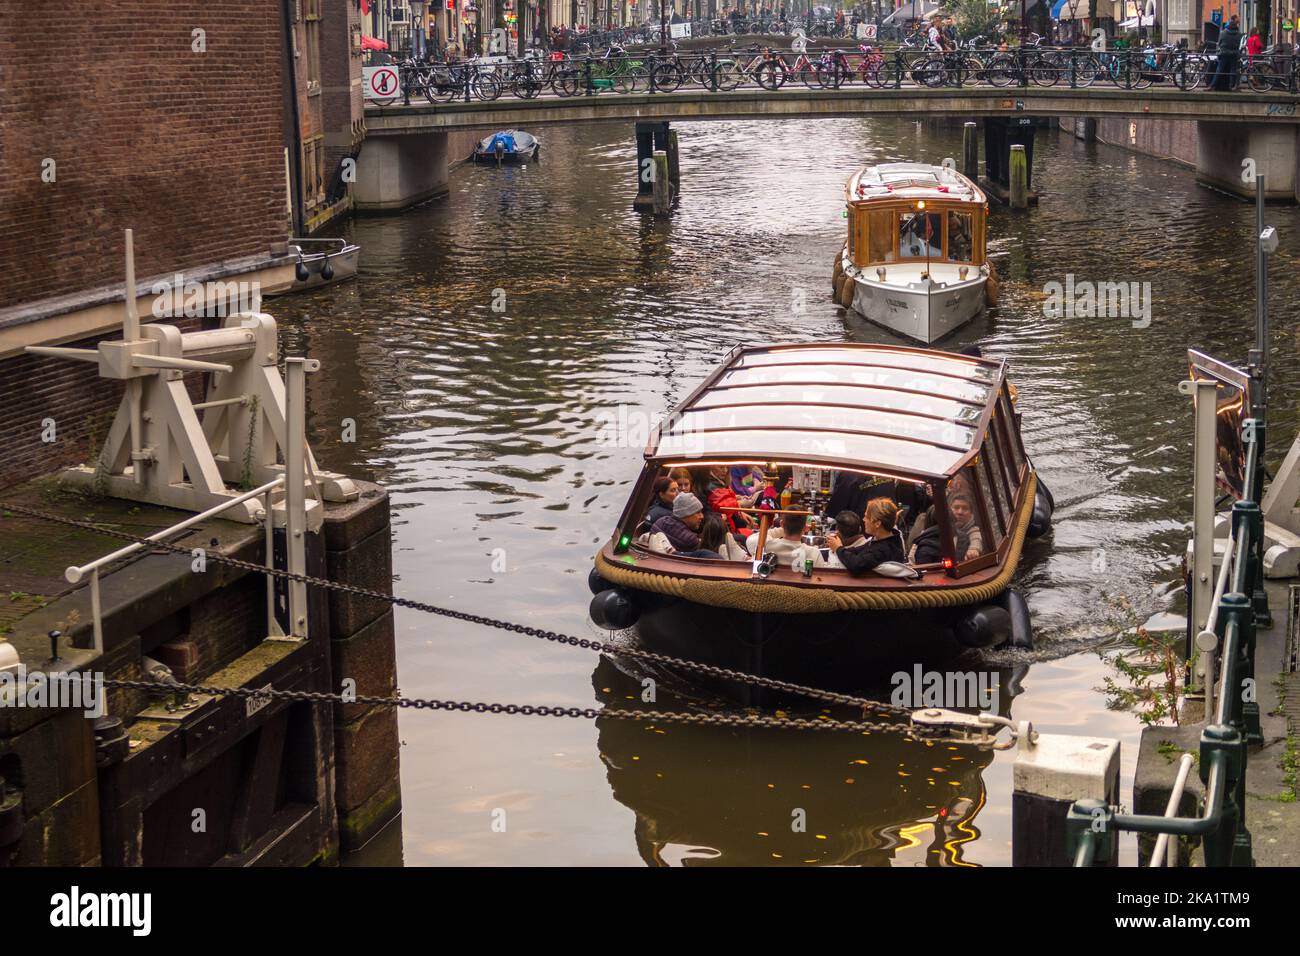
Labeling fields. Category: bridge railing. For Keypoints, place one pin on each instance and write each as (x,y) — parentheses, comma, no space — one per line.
(1093,827)
(774,70)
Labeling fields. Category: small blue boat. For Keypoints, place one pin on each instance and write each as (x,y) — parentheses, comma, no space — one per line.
(507,146)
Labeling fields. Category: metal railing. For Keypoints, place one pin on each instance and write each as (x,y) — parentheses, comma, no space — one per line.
(1092,825)
(843,69)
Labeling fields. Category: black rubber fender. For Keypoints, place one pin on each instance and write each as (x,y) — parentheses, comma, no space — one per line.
(596,583)
(984,626)
(1022,630)
(1040,522)
(614,610)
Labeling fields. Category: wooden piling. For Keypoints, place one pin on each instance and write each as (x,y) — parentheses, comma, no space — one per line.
(674,170)
(1019,177)
(663,198)
(970,151)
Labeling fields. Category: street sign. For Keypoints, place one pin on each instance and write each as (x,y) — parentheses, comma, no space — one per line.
(679,31)
(380,82)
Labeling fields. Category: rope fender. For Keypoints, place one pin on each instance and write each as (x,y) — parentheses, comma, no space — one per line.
(789,599)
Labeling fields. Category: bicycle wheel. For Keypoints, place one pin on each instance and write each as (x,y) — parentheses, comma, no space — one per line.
(526,87)
(971,70)
(811,77)
(729,75)
(667,77)
(874,73)
(1143,76)
(486,86)
(567,82)
(1003,70)
(1260,77)
(1086,70)
(770,75)
(930,72)
(1047,69)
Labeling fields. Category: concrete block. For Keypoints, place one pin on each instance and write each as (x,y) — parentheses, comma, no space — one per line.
(1153,780)
(349,523)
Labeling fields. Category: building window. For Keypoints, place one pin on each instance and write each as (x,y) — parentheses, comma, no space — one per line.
(311,30)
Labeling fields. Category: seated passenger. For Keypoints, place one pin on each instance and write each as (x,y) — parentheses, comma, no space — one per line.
(747,480)
(970,541)
(666,489)
(683,525)
(788,537)
(723,500)
(683,478)
(713,533)
(927,546)
(859,554)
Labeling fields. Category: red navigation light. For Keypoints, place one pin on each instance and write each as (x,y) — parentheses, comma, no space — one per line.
(947,564)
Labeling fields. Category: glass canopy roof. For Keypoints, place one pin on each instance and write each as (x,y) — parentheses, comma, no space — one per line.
(867,406)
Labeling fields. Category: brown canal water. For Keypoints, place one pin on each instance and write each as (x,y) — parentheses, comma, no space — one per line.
(486,428)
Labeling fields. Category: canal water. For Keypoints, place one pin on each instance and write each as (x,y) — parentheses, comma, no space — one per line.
(491,338)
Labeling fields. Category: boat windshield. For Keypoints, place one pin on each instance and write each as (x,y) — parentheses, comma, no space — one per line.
(920,236)
(881,236)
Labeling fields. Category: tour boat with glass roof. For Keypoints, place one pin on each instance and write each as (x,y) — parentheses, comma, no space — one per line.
(818,430)
(915,258)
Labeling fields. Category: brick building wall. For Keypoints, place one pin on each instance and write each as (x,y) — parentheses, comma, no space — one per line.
(185,147)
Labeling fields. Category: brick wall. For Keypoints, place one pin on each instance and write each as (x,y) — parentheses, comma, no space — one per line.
(33,388)
(184,147)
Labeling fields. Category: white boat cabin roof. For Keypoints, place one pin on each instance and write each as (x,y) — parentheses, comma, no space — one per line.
(911,181)
(902,411)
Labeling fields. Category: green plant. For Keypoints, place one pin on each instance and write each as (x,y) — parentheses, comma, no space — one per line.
(1152,676)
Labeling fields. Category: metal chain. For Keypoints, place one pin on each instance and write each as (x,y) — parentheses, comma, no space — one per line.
(531,710)
(869,707)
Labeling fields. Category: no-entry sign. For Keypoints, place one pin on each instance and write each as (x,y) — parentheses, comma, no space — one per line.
(380,82)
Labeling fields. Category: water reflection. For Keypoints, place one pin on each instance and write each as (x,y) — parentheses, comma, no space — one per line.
(766,797)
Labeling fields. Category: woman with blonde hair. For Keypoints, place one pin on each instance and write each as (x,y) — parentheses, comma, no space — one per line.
(881,543)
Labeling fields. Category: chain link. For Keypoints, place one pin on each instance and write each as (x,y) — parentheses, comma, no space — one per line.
(869,707)
(528,710)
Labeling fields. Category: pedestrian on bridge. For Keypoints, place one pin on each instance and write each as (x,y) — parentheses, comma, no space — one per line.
(1225,76)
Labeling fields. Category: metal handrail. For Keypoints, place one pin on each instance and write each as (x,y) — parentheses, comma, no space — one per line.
(76,573)
(1093,826)
(1166,848)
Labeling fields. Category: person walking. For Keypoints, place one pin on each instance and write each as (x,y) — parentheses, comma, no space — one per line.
(1225,74)
(1254,46)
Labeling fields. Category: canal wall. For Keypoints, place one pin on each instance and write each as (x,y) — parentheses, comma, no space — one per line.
(225,780)
(1215,150)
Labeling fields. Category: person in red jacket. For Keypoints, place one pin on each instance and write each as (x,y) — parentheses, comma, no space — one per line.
(1254,45)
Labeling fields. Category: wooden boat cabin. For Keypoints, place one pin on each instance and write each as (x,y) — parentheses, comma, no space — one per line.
(915,260)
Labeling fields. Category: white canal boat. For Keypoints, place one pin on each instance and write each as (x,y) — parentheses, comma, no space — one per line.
(915,258)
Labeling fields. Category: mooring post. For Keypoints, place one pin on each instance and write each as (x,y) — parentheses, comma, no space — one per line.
(970,152)
(1051,773)
(1019,176)
(674,170)
(663,186)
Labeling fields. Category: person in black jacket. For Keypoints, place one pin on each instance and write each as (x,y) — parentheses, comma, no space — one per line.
(661,506)
(1225,74)
(882,543)
(927,547)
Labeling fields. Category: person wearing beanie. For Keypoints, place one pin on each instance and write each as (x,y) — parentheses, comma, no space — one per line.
(682,527)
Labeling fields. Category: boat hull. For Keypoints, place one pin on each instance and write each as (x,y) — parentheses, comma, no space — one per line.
(343,265)
(926,312)
(515,158)
(840,650)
